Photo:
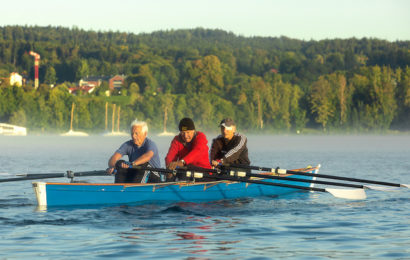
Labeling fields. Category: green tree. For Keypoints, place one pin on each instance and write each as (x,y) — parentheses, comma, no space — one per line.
(260,95)
(82,69)
(167,103)
(298,115)
(375,92)
(51,76)
(202,109)
(82,118)
(402,120)
(204,75)
(343,97)
(322,101)
(384,88)
(59,101)
(18,118)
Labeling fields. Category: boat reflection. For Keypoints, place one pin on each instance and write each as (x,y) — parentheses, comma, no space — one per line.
(192,235)
(189,236)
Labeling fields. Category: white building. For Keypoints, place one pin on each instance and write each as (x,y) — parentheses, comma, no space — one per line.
(16,79)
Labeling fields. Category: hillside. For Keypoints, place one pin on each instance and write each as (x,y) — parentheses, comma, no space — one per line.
(266,83)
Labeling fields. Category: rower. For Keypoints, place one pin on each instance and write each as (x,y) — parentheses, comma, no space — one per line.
(141,151)
(230,146)
(188,148)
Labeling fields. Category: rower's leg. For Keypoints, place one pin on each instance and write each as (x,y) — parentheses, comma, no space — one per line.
(121,175)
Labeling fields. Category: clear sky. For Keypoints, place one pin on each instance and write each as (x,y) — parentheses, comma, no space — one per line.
(300,19)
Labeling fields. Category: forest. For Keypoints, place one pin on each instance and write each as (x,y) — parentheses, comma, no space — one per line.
(267,84)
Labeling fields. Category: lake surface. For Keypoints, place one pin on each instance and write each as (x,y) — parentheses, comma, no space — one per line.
(296,226)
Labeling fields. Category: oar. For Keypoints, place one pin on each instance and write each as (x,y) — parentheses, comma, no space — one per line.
(284,171)
(68,174)
(305,180)
(198,172)
(350,185)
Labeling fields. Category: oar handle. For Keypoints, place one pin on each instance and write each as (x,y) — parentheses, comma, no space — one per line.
(144,168)
(257,168)
(196,172)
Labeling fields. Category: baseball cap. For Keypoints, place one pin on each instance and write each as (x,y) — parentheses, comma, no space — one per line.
(186,124)
(228,123)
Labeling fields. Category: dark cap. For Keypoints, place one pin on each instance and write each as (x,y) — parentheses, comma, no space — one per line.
(227,122)
(186,124)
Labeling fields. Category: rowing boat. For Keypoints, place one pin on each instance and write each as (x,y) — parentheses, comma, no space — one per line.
(70,194)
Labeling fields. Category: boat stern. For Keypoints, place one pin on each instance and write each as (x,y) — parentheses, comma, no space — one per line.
(41,194)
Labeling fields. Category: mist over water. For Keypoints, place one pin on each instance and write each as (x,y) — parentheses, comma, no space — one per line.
(301,225)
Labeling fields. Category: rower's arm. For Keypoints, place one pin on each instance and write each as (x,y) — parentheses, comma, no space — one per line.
(143,158)
(114,158)
(172,154)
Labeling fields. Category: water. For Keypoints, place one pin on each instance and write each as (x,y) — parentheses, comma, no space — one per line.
(298,226)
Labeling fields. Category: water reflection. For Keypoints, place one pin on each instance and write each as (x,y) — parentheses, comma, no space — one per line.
(193,235)
(189,235)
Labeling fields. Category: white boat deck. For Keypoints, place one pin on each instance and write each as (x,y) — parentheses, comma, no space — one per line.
(7,129)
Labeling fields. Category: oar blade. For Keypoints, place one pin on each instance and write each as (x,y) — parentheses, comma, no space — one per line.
(379,188)
(405,186)
(352,194)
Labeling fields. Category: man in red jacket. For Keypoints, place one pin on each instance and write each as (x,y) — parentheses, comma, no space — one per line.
(188,148)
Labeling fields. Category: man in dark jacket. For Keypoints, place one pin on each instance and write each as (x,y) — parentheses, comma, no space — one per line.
(229,147)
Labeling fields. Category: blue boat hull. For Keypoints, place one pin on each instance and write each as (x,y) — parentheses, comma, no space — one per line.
(66,194)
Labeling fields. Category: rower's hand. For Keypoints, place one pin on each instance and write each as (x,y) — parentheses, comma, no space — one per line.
(217,162)
(175,164)
(110,170)
(170,177)
(125,165)
(118,164)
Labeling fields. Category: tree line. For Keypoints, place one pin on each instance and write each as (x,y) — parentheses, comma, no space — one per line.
(267,84)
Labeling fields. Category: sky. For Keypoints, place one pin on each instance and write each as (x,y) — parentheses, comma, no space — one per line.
(298,19)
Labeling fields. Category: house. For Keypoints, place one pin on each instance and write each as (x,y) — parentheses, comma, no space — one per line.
(16,79)
(114,82)
(94,81)
(89,84)
(84,89)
